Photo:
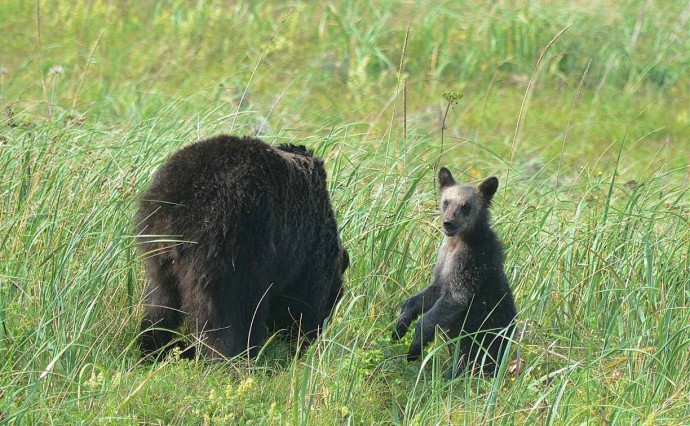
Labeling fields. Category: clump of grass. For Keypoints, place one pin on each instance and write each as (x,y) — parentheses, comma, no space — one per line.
(594,216)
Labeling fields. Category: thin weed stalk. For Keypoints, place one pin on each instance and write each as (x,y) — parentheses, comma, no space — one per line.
(525,103)
(256,67)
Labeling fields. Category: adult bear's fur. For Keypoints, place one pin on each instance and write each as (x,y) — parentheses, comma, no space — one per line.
(238,235)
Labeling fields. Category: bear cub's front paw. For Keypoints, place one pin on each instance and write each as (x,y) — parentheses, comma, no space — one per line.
(414,353)
(400,330)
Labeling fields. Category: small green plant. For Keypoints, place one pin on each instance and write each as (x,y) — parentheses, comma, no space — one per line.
(451,99)
(236,404)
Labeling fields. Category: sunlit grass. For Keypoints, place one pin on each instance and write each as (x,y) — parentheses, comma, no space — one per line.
(593,214)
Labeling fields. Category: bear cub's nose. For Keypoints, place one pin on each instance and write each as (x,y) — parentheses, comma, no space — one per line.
(448,225)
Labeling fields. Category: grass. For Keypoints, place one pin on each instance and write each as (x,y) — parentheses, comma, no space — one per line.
(592,209)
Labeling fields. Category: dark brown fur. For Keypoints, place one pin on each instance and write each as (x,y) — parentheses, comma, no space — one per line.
(238,235)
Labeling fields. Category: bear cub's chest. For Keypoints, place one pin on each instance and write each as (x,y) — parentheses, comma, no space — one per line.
(451,262)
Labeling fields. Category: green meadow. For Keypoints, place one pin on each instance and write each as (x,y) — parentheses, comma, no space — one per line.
(580,108)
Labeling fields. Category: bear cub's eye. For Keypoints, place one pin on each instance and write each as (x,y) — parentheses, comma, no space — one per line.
(465,209)
(445,204)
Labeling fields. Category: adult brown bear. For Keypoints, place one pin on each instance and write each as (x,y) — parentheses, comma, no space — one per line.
(238,235)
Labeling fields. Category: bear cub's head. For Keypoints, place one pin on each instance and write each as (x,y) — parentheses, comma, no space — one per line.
(464,207)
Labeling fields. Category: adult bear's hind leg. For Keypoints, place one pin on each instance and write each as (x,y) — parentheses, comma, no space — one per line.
(162,309)
(304,306)
(224,327)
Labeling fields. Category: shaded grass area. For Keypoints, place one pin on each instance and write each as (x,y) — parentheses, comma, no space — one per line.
(592,208)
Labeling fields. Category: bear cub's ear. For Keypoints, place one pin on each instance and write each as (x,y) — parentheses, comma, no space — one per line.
(445,178)
(488,188)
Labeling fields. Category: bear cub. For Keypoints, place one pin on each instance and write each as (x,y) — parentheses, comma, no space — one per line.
(238,237)
(469,295)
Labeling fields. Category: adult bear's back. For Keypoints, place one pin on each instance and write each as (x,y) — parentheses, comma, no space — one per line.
(233,197)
